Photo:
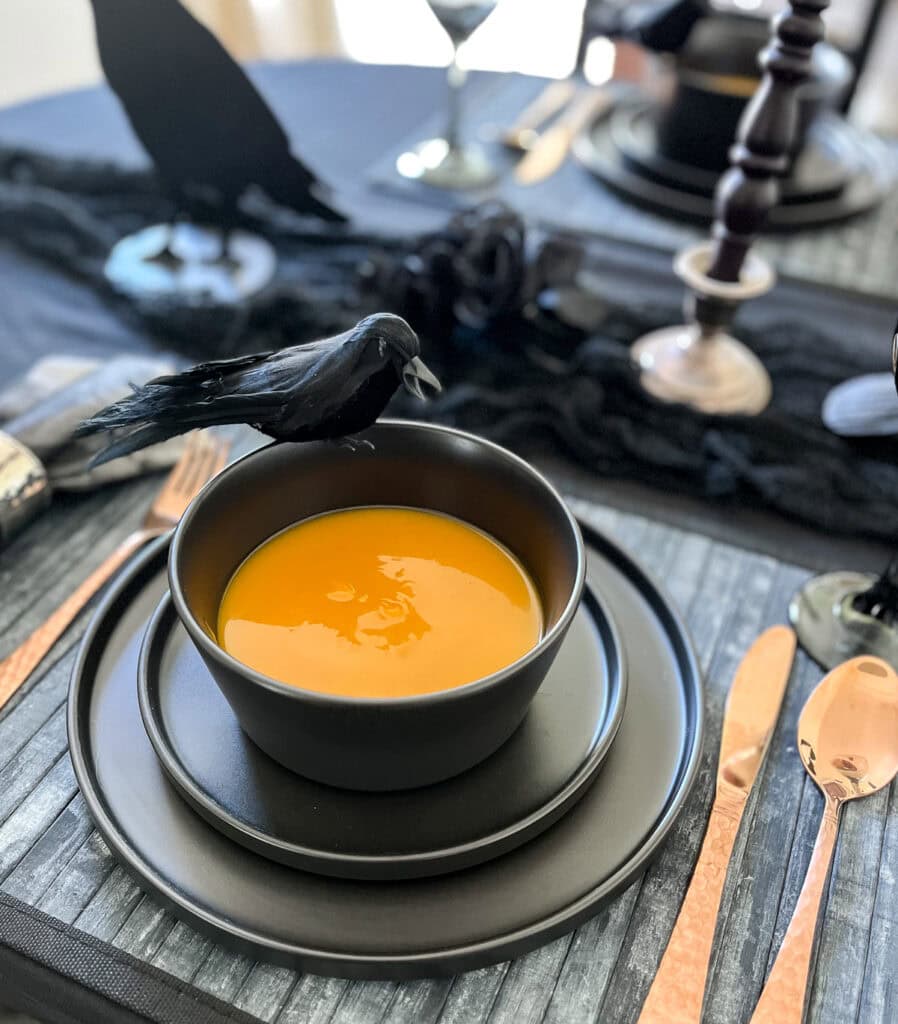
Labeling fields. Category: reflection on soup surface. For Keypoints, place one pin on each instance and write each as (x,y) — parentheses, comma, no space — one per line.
(379,602)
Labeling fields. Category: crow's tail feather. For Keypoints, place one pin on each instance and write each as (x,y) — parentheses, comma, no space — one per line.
(173,405)
(129,432)
(142,437)
(180,396)
(294,185)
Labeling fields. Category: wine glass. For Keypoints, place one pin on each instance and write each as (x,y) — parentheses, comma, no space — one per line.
(447,161)
(842,614)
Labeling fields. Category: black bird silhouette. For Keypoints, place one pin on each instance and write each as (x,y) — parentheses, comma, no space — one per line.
(207,130)
(325,389)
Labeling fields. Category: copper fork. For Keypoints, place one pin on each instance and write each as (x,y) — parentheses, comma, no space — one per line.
(204,455)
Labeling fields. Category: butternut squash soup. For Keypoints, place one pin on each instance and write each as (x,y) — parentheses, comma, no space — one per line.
(379,602)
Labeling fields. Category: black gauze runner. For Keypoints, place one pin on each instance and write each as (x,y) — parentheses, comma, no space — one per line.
(530,350)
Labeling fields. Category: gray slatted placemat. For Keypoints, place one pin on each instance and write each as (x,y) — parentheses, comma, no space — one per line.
(51,858)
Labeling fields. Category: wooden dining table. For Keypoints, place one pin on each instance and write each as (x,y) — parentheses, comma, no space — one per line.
(80,940)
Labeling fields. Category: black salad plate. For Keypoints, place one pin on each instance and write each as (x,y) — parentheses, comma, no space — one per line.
(499,804)
(391,929)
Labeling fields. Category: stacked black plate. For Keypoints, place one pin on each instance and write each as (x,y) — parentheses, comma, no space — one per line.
(841,171)
(419,882)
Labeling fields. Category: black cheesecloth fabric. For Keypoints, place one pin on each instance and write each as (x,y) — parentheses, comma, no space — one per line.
(529,339)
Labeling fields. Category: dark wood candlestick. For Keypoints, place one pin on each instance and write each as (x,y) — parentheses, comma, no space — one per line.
(698,363)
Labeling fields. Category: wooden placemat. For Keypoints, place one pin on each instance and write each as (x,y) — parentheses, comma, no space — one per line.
(52,859)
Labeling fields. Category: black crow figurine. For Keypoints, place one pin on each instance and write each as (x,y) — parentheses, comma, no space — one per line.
(206,128)
(327,389)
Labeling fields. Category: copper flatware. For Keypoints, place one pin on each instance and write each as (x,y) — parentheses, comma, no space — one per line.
(752,708)
(523,133)
(204,455)
(848,744)
(550,150)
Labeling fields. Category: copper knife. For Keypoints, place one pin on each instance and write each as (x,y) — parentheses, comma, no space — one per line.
(552,99)
(752,708)
(550,150)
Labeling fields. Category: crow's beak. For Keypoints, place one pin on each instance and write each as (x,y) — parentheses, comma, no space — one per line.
(415,375)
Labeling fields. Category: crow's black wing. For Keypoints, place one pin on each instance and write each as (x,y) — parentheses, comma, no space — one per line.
(330,382)
(214,369)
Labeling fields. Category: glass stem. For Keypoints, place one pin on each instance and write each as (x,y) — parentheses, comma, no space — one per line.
(881,600)
(457,78)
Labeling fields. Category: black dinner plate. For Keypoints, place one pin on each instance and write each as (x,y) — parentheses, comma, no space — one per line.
(821,172)
(499,804)
(397,929)
(844,172)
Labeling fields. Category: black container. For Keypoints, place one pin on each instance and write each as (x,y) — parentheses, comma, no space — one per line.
(716,74)
(390,743)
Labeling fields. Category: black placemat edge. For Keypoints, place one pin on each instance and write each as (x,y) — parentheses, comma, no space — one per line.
(85,979)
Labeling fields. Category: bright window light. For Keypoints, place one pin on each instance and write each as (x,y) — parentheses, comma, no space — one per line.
(598,61)
(535,37)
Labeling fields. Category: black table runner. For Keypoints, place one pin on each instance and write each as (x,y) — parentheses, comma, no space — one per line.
(583,401)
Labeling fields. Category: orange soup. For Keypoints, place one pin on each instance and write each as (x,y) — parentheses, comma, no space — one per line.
(379,602)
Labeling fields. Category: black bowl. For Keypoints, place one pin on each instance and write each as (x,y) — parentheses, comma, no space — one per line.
(389,743)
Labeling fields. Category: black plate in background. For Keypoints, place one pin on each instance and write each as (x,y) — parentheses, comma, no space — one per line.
(417,928)
(822,171)
(499,804)
(617,149)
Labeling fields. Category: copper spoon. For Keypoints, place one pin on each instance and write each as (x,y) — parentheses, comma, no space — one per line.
(848,743)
